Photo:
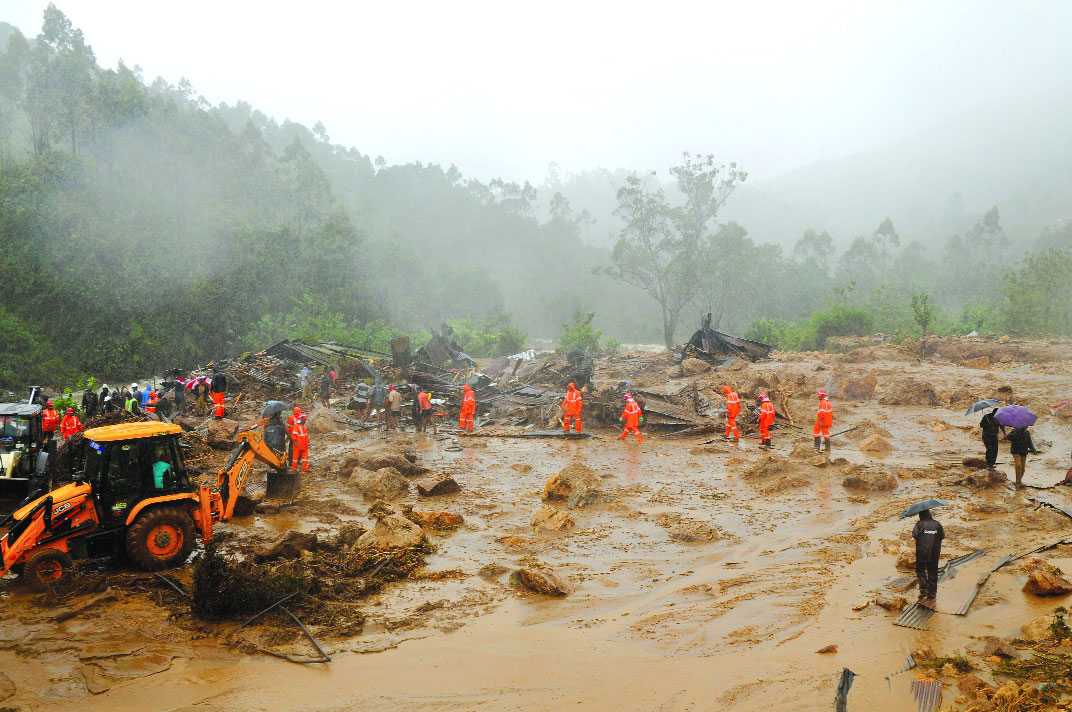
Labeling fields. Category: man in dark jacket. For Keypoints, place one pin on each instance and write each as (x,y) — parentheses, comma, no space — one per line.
(1019,445)
(991,427)
(89,403)
(928,534)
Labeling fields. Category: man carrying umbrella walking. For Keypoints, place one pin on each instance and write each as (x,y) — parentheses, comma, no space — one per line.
(1019,419)
(928,534)
(991,427)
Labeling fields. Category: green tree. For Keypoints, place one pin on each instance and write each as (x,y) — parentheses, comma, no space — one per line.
(579,334)
(884,237)
(657,246)
(1039,295)
(923,311)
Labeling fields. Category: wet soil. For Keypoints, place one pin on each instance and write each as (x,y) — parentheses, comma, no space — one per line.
(658,621)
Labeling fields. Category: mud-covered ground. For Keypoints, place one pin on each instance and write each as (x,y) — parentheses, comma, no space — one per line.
(707,576)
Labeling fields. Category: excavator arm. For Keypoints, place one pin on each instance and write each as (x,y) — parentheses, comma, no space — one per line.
(217,505)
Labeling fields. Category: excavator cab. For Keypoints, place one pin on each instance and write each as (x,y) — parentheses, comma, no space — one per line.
(23,456)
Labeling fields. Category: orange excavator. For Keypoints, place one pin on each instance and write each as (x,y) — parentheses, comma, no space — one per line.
(135,495)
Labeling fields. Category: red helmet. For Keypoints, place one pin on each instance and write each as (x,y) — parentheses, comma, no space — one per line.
(763,397)
(571,385)
(297,410)
(70,411)
(726,390)
(49,403)
(821,393)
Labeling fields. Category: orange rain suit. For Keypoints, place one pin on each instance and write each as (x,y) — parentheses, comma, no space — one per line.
(632,417)
(465,418)
(766,419)
(733,409)
(50,419)
(299,440)
(823,419)
(69,426)
(572,405)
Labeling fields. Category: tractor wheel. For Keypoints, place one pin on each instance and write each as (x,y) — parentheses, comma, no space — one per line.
(46,568)
(161,538)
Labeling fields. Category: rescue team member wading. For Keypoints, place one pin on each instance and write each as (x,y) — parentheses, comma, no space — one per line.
(572,405)
(823,420)
(632,417)
(733,409)
(766,419)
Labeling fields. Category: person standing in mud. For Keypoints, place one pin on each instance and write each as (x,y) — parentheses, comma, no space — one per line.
(632,417)
(991,427)
(766,420)
(468,410)
(1020,445)
(928,534)
(218,387)
(824,418)
(733,409)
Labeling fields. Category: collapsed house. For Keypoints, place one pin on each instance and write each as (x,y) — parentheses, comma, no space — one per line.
(710,345)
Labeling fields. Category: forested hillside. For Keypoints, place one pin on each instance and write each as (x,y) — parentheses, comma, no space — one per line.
(143,228)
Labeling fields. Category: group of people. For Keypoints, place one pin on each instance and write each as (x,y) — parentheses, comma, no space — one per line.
(1020,444)
(206,391)
(68,425)
(573,405)
(824,419)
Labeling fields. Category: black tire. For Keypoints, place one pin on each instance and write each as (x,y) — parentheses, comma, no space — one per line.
(47,568)
(161,538)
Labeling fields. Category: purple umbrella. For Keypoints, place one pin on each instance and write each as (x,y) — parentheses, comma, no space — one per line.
(1015,416)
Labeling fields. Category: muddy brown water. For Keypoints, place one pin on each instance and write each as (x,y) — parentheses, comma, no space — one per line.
(655,623)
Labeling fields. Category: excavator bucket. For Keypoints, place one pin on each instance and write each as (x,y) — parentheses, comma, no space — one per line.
(283,485)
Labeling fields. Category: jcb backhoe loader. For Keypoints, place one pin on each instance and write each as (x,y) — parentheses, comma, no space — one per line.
(134,495)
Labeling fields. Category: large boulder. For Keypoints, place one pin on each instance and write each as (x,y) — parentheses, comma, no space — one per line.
(552,520)
(1038,629)
(545,580)
(436,519)
(876,444)
(289,546)
(979,479)
(694,367)
(221,433)
(910,391)
(992,645)
(392,530)
(1043,582)
(378,459)
(862,478)
(385,483)
(188,422)
(854,388)
(574,476)
(323,420)
(769,465)
(437,485)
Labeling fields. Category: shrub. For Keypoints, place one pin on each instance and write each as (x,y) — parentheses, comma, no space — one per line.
(579,334)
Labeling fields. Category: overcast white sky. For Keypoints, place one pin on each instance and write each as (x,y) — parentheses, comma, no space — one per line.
(504,88)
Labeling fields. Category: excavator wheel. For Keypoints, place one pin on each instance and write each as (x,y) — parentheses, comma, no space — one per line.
(46,568)
(161,538)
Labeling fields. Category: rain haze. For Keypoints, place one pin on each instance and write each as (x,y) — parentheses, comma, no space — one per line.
(503,356)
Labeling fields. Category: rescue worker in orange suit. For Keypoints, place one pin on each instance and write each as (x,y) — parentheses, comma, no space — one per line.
(70,424)
(733,409)
(150,405)
(766,419)
(50,420)
(632,417)
(218,387)
(299,441)
(823,420)
(572,404)
(465,418)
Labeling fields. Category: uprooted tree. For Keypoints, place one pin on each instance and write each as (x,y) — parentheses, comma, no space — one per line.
(657,247)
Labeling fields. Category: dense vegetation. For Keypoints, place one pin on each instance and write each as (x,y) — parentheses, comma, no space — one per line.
(143,228)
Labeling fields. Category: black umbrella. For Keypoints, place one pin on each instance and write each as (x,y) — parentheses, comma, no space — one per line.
(985,404)
(272,407)
(922,507)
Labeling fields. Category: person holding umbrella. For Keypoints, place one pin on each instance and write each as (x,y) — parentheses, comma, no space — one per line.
(991,427)
(928,534)
(1019,419)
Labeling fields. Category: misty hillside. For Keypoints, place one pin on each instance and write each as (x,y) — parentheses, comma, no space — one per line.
(1011,155)
(145,228)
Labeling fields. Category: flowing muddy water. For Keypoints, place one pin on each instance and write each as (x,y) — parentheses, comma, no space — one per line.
(657,622)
